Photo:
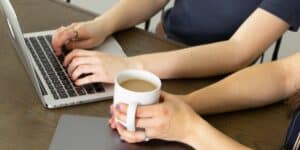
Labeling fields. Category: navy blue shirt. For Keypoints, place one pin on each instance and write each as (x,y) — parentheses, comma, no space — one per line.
(196,22)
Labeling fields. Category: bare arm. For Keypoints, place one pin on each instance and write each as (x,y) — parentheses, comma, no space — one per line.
(252,87)
(252,38)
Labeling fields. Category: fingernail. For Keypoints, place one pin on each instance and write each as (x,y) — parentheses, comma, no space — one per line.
(113,125)
(116,124)
(118,106)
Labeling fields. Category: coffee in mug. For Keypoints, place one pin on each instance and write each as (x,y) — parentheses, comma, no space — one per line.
(138,85)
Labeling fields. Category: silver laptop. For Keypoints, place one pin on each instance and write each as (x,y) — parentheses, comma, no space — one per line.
(45,69)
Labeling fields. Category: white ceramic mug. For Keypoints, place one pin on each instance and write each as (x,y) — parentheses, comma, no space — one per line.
(134,98)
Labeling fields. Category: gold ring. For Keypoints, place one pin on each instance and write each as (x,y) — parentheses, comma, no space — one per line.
(76,37)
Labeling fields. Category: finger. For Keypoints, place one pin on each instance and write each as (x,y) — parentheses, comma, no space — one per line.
(142,111)
(121,107)
(145,122)
(81,44)
(77,61)
(86,80)
(112,119)
(63,37)
(119,115)
(67,35)
(139,122)
(75,53)
(111,123)
(57,49)
(130,136)
(81,70)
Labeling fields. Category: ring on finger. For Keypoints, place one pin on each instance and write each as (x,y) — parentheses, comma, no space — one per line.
(146,138)
(76,37)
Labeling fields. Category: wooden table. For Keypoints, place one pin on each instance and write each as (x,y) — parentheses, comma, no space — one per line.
(26,124)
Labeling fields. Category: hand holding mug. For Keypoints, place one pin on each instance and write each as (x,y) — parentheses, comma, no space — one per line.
(171,120)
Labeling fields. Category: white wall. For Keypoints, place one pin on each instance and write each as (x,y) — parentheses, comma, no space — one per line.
(98,6)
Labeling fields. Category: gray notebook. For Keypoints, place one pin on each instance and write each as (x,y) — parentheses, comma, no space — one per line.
(93,133)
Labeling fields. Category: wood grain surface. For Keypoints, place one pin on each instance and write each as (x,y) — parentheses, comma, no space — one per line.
(26,124)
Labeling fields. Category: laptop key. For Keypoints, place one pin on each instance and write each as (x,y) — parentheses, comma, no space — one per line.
(53,91)
(49,38)
(56,82)
(89,89)
(61,58)
(71,92)
(62,95)
(98,87)
(68,87)
(80,91)
(55,96)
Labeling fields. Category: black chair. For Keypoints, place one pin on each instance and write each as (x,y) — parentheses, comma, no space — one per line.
(275,52)
(276,49)
(274,55)
(148,22)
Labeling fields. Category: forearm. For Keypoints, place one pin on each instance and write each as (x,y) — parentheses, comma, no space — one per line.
(127,13)
(252,87)
(205,136)
(199,61)
(220,57)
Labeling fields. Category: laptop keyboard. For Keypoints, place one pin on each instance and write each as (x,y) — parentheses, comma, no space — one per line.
(53,71)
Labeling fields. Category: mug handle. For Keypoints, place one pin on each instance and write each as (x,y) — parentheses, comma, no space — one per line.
(130,120)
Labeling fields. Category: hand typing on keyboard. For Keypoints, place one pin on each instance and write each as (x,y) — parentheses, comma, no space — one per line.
(79,35)
(96,66)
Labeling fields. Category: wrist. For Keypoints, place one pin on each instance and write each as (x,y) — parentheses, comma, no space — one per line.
(103,26)
(193,135)
(204,136)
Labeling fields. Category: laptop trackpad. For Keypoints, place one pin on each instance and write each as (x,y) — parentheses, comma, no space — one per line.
(93,133)
(111,45)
